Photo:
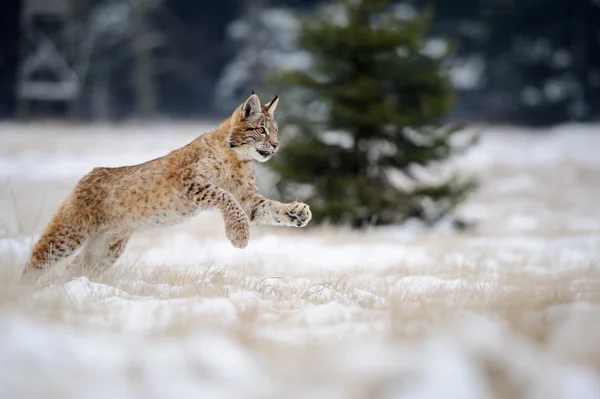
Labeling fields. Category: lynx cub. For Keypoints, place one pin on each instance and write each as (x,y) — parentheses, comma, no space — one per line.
(215,171)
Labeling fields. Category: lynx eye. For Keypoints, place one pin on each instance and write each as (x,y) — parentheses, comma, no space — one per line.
(262,130)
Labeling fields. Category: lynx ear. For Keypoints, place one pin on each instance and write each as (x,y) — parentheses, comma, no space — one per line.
(272,106)
(251,106)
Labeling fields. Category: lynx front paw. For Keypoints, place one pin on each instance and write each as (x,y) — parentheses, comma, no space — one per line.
(296,214)
(238,232)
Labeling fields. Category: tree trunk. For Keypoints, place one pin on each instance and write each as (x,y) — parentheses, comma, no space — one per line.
(101,93)
(144,83)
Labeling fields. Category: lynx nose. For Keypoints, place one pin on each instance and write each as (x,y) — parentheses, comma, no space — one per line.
(275,145)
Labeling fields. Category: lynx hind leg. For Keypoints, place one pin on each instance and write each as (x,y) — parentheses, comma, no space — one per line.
(75,221)
(101,252)
(59,241)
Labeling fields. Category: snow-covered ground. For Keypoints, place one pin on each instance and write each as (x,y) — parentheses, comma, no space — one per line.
(510,310)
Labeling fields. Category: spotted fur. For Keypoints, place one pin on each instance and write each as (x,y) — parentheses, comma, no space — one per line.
(215,171)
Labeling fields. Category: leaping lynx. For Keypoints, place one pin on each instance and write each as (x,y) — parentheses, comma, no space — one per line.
(215,171)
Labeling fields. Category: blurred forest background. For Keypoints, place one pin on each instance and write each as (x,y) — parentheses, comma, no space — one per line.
(532,62)
(370,88)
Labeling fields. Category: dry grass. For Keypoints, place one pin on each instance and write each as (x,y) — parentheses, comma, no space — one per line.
(511,310)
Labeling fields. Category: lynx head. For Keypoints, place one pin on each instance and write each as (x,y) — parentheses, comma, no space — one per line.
(253,132)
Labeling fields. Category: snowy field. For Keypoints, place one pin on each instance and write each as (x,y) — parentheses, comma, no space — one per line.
(510,310)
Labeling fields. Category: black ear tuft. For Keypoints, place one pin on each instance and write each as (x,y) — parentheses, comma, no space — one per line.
(273,105)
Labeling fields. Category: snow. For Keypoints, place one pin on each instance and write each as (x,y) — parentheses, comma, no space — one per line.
(12,246)
(331,312)
(510,308)
(185,250)
(138,313)
(435,48)
(405,12)
(208,365)
(423,284)
(466,72)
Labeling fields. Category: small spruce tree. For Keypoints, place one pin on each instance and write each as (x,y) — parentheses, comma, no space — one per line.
(364,114)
